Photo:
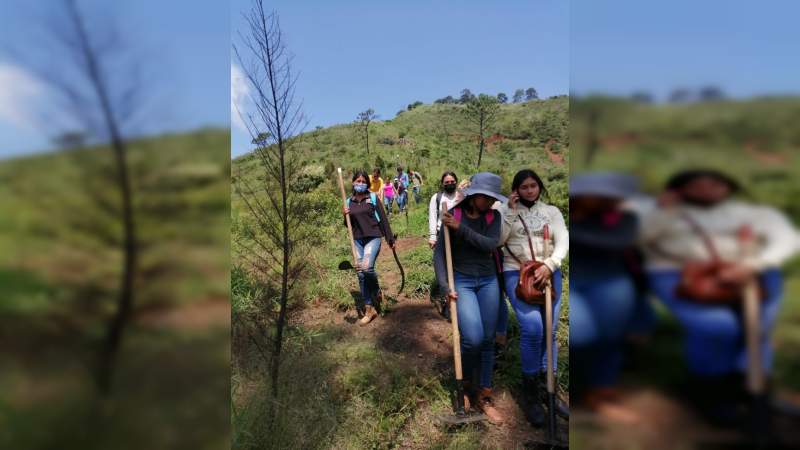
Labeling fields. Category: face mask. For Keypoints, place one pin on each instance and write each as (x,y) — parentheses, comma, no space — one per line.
(449,188)
(360,187)
(526,203)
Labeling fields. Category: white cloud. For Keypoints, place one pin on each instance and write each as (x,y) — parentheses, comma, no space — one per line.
(239,93)
(19,90)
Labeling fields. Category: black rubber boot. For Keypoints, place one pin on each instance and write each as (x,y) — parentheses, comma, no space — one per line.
(561,409)
(534,411)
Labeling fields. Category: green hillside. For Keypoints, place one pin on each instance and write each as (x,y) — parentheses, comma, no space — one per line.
(361,390)
(433,138)
(59,271)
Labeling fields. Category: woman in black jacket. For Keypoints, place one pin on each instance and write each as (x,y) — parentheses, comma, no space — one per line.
(369,222)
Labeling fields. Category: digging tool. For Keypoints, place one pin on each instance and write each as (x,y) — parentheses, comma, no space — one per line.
(347,219)
(460,417)
(551,382)
(756,385)
(402,272)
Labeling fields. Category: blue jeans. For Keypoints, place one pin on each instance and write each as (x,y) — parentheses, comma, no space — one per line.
(714,335)
(532,345)
(478,300)
(401,200)
(368,249)
(601,311)
(389,201)
(415,190)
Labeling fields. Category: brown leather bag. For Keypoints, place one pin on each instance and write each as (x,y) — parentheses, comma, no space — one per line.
(526,289)
(700,280)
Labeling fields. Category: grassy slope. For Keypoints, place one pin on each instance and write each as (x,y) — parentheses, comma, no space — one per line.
(48,327)
(321,355)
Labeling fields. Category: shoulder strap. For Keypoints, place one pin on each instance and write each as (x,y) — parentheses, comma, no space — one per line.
(374,199)
(527,233)
(709,244)
(505,246)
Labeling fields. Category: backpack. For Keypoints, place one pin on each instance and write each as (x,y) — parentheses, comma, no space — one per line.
(438,204)
(373,200)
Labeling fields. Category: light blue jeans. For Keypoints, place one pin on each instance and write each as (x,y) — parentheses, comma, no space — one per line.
(477,304)
(600,313)
(368,249)
(714,335)
(530,317)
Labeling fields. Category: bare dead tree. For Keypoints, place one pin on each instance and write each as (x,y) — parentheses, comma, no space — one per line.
(362,121)
(98,88)
(272,241)
(480,114)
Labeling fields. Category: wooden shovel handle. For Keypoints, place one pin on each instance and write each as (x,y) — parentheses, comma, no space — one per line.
(453,308)
(548,313)
(347,219)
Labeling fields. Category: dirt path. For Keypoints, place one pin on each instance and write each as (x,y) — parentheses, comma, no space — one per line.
(665,415)
(553,157)
(412,329)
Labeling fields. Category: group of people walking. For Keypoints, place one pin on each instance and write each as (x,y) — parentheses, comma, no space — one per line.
(491,237)
(395,190)
(626,248)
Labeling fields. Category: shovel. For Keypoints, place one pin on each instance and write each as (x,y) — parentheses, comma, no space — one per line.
(460,415)
(349,227)
(756,386)
(552,440)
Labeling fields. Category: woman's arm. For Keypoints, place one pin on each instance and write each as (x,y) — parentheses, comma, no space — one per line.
(385,227)
(487,242)
(558,228)
(509,217)
(432,219)
(440,264)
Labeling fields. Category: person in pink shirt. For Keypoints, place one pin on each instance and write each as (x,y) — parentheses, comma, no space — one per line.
(388,195)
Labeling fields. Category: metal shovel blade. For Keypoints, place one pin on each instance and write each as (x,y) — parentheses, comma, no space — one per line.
(346,265)
(454,420)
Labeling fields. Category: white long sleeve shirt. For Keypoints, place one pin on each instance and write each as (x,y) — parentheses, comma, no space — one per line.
(668,239)
(434,211)
(513,235)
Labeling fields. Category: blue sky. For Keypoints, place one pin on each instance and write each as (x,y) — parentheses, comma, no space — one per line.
(354,55)
(746,48)
(186,46)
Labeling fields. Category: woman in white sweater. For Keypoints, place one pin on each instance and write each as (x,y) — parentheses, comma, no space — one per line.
(447,195)
(525,209)
(699,216)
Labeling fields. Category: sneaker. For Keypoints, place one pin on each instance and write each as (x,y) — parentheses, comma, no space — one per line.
(369,314)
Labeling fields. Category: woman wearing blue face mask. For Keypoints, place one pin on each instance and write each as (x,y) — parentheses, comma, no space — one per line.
(369,222)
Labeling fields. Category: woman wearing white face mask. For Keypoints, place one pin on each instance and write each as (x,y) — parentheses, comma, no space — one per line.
(369,222)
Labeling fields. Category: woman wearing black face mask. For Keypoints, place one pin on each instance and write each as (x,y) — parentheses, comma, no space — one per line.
(447,194)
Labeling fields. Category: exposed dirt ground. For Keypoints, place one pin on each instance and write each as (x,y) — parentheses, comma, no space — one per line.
(412,329)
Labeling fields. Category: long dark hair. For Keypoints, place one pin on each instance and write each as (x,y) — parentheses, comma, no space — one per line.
(444,175)
(683,178)
(360,173)
(523,175)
